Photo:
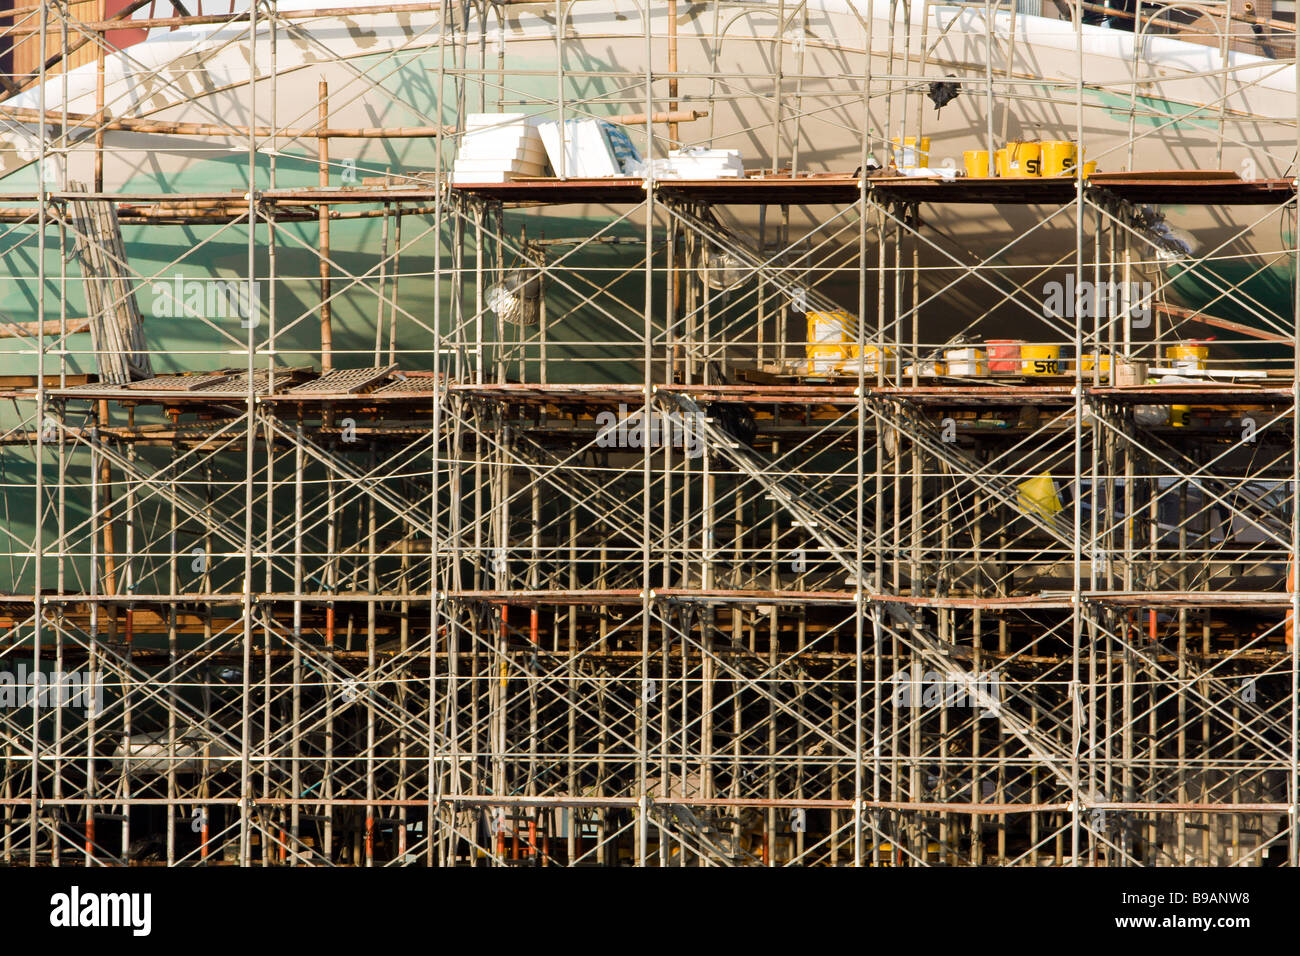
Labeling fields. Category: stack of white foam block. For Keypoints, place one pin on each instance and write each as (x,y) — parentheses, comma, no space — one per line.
(588,149)
(697,163)
(498,148)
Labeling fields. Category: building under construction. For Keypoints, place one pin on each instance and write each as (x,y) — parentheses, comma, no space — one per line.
(889,460)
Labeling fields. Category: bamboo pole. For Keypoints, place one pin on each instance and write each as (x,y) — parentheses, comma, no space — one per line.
(56,119)
(672,76)
(319,13)
(323,161)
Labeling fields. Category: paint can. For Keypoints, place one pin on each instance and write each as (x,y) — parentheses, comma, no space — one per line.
(1040,360)
(977,163)
(1004,355)
(1024,160)
(1059,157)
(966,362)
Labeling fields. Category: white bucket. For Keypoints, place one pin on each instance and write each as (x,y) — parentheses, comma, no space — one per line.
(968,362)
(926,367)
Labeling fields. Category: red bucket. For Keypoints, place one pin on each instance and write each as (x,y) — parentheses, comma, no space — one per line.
(1004,355)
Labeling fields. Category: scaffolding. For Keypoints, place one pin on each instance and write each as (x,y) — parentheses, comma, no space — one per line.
(517,523)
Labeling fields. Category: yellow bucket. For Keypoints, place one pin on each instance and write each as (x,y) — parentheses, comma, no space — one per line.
(1024,160)
(825,359)
(832,327)
(1039,496)
(1000,162)
(871,360)
(1059,157)
(1179,414)
(977,163)
(1040,360)
(1089,362)
(912,155)
(1188,358)
(1089,168)
(830,340)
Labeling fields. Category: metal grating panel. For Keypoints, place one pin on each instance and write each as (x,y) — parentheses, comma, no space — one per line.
(408,386)
(344,380)
(179,383)
(237,383)
(91,387)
